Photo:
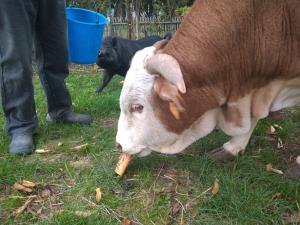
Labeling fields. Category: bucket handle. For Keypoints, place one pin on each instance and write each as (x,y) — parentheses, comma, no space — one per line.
(73,3)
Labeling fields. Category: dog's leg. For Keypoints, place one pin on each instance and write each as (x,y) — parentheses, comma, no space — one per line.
(107,75)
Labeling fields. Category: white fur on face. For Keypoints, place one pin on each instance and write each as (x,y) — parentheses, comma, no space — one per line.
(140,132)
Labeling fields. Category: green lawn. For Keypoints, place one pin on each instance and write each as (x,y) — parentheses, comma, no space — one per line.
(158,189)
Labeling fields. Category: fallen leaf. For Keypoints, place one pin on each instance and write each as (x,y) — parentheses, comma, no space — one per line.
(269,168)
(216,187)
(276,196)
(20,187)
(279,143)
(291,219)
(27,183)
(79,147)
(271,130)
(126,221)
(98,195)
(23,207)
(41,151)
(83,213)
(278,127)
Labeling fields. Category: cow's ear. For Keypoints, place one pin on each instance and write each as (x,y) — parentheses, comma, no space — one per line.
(167,67)
(114,41)
(169,92)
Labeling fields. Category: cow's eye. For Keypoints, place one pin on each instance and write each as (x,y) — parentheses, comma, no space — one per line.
(136,108)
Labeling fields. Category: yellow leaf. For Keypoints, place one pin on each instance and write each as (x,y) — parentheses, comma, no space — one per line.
(216,187)
(83,213)
(41,151)
(269,167)
(80,147)
(98,195)
(20,187)
(126,222)
(27,183)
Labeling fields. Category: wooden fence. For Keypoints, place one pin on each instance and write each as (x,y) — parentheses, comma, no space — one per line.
(145,26)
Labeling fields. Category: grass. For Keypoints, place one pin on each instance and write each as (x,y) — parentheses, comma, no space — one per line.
(154,188)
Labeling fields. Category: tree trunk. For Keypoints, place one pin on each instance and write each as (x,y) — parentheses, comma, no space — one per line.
(129,19)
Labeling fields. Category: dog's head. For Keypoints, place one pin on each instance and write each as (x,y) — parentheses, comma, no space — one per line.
(108,55)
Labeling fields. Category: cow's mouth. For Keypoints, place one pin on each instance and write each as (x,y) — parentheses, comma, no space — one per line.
(139,151)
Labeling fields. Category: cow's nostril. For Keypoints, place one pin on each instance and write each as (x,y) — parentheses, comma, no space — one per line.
(118,146)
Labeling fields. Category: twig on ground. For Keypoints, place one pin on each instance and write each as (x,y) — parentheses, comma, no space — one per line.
(23,207)
(180,204)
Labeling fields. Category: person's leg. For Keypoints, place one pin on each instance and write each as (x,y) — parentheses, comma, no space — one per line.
(16,27)
(52,59)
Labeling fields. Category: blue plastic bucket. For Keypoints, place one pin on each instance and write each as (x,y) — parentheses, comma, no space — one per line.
(85,31)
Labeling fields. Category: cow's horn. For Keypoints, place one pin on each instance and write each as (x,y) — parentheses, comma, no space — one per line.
(167,67)
(160,44)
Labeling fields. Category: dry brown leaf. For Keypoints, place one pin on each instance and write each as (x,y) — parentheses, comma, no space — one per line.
(20,187)
(83,213)
(41,151)
(216,187)
(80,147)
(269,168)
(23,207)
(126,221)
(98,195)
(276,196)
(28,184)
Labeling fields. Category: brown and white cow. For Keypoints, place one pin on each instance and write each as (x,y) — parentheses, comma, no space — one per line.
(231,63)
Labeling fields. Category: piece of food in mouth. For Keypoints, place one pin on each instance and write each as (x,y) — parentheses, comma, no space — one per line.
(122,164)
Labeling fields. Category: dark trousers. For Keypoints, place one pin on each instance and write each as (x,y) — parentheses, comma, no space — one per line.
(24,23)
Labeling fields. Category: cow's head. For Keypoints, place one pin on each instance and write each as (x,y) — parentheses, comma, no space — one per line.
(152,76)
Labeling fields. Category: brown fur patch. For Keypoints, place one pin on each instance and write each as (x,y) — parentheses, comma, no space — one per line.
(228,48)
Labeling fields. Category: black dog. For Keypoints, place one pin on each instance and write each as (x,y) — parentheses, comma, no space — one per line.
(116,54)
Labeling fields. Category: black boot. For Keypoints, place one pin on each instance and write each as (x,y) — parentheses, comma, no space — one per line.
(71,117)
